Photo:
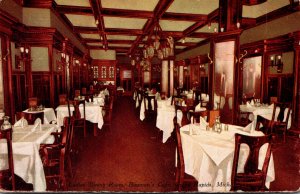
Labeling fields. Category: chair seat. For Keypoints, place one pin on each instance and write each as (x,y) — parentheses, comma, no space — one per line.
(250,182)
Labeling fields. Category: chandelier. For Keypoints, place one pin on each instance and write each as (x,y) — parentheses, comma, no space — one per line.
(156,45)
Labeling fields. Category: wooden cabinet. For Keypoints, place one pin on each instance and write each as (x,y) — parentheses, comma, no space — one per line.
(104,71)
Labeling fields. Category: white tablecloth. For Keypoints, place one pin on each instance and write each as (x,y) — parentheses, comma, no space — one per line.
(208,157)
(264,111)
(165,116)
(49,114)
(99,101)
(27,161)
(93,113)
(143,108)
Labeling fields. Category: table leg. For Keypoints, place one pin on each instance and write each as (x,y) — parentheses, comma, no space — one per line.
(95,129)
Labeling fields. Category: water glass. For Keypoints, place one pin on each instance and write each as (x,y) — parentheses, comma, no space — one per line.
(207,128)
(226,127)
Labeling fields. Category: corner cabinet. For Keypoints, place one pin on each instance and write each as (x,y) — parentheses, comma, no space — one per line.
(104,71)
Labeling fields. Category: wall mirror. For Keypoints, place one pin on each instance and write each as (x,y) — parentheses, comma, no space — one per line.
(223,79)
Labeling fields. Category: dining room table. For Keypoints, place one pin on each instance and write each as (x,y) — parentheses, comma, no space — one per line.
(49,114)
(165,115)
(264,110)
(26,142)
(208,155)
(148,105)
(93,114)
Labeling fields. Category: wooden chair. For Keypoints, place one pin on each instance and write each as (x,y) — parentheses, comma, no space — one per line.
(280,122)
(76,93)
(185,111)
(180,168)
(163,95)
(83,91)
(273,99)
(195,115)
(264,125)
(252,179)
(62,99)
(78,121)
(32,116)
(7,177)
(197,96)
(140,96)
(150,112)
(177,99)
(243,118)
(32,102)
(108,113)
(54,157)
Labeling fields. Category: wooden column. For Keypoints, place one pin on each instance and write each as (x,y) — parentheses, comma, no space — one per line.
(171,84)
(165,76)
(230,12)
(296,96)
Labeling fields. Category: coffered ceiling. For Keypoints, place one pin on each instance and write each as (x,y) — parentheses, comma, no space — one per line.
(123,25)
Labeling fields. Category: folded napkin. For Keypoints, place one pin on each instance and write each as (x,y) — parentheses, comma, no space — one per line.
(248,104)
(198,107)
(37,126)
(203,123)
(205,97)
(183,103)
(169,101)
(248,128)
(21,123)
(252,102)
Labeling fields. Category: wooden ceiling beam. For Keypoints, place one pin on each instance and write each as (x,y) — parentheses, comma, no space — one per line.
(184,17)
(122,31)
(74,10)
(97,7)
(159,10)
(89,40)
(85,30)
(127,13)
(109,31)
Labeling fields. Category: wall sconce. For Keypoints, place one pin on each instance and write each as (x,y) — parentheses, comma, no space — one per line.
(62,63)
(276,61)
(24,53)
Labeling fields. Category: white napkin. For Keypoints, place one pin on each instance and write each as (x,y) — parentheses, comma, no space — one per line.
(21,123)
(203,123)
(248,128)
(205,97)
(169,101)
(37,126)
(198,107)
(252,102)
(183,103)
(248,104)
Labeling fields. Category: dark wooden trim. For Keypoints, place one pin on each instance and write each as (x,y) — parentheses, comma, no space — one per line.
(38,3)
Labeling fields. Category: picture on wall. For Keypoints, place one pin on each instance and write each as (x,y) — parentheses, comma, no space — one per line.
(252,77)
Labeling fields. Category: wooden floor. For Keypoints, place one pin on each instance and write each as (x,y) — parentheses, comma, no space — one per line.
(131,157)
